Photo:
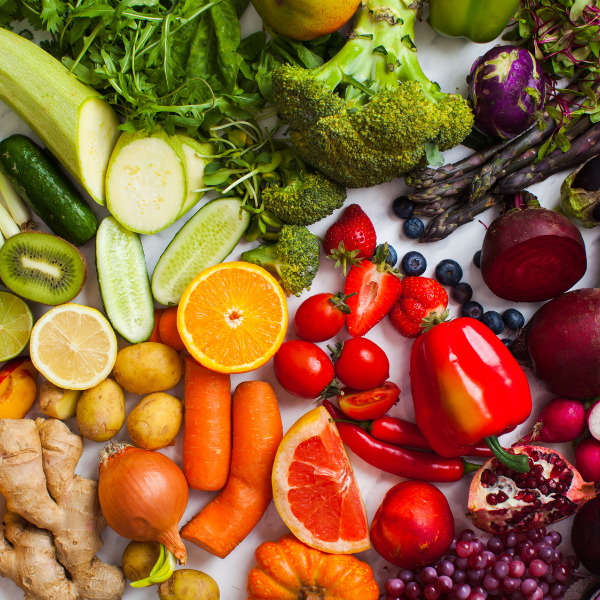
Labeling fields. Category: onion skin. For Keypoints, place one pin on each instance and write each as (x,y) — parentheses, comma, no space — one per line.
(143,496)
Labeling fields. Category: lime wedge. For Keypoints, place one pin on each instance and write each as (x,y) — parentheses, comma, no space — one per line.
(204,241)
(16,322)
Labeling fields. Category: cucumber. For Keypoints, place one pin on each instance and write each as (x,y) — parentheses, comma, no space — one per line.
(72,119)
(146,181)
(51,195)
(123,281)
(205,240)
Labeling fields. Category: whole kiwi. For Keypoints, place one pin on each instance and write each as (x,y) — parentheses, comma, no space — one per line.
(188,584)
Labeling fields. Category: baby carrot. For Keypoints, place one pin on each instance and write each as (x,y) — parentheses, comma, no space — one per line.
(257,432)
(207,421)
(168,329)
(155,337)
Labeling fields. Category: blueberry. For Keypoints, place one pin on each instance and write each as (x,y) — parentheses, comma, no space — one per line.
(403,207)
(392,257)
(508,343)
(462,293)
(413,228)
(414,264)
(471,309)
(477,259)
(494,321)
(448,272)
(513,319)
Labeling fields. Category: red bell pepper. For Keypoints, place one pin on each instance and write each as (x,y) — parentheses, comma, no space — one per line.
(466,387)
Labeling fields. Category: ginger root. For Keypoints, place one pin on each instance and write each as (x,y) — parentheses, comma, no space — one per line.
(54,521)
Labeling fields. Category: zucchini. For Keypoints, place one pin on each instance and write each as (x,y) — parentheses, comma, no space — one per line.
(123,281)
(51,195)
(72,119)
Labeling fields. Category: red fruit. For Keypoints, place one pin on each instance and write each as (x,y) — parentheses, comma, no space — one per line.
(422,299)
(377,287)
(360,363)
(585,536)
(303,369)
(368,404)
(413,526)
(501,500)
(321,317)
(351,238)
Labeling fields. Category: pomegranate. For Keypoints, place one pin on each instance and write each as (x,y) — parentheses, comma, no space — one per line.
(502,500)
(413,526)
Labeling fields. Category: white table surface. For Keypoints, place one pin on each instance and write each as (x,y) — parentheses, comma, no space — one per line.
(448,62)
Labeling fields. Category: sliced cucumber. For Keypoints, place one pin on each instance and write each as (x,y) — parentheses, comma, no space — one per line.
(146,181)
(123,280)
(205,240)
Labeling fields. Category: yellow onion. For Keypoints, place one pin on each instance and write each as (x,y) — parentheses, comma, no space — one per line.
(143,495)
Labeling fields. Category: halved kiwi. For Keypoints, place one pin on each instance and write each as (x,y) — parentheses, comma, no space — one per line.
(42,267)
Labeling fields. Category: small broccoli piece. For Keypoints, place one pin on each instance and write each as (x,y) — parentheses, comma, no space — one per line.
(294,258)
(304,197)
(370,114)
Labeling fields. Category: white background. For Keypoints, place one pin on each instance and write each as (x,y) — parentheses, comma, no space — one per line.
(448,62)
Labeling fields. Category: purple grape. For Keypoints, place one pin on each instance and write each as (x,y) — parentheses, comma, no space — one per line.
(451,558)
(475,575)
(477,561)
(511,552)
(462,563)
(394,587)
(479,590)
(476,596)
(557,589)
(516,568)
(537,567)
(519,596)
(510,540)
(560,571)
(505,556)
(444,584)
(572,562)
(490,558)
(511,584)
(557,538)
(528,586)
(495,545)
(500,569)
(546,554)
(544,587)
(429,575)
(467,534)
(459,576)
(557,557)
(536,595)
(547,597)
(549,577)
(453,544)
(464,548)
(534,535)
(491,583)
(528,554)
(462,591)
(431,593)
(549,540)
(406,576)
(413,590)
(477,546)
(445,568)
(523,544)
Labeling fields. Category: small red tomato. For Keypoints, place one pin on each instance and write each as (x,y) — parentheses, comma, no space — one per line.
(303,369)
(321,316)
(362,364)
(369,404)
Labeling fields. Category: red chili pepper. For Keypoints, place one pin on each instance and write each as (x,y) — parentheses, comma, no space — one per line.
(412,464)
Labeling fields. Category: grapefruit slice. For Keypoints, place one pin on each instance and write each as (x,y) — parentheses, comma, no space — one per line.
(315,490)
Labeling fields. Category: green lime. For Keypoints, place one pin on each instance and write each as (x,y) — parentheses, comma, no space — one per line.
(16,322)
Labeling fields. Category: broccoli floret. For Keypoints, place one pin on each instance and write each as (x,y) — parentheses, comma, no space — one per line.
(294,258)
(304,197)
(370,114)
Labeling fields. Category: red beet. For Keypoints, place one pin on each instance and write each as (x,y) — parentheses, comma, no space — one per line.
(561,420)
(532,255)
(585,535)
(587,459)
(562,344)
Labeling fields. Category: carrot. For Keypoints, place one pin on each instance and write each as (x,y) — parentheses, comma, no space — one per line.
(207,433)
(257,432)
(168,329)
(155,337)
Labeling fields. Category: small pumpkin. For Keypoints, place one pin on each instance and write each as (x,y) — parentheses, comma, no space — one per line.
(291,570)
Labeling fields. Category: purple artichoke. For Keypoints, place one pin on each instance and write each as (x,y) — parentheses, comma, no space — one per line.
(507,87)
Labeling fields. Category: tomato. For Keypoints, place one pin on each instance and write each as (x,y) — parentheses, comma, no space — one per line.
(361,364)
(303,369)
(321,316)
(368,404)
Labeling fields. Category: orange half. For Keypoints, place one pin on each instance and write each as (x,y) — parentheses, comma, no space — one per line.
(314,487)
(232,317)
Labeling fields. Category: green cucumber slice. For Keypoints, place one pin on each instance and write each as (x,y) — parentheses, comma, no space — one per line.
(123,281)
(205,240)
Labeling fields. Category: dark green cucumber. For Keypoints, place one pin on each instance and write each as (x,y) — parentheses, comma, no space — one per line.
(48,192)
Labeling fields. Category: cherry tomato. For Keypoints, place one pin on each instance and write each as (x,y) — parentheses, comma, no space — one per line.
(362,364)
(303,369)
(368,404)
(321,316)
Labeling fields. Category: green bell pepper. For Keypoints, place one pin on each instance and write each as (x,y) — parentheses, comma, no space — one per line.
(480,21)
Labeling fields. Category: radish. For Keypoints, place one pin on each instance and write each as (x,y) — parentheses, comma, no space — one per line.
(532,255)
(587,459)
(561,420)
(560,343)
(593,419)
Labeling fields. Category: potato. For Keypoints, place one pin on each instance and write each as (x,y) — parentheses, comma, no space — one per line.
(188,584)
(155,421)
(101,411)
(139,558)
(58,403)
(147,368)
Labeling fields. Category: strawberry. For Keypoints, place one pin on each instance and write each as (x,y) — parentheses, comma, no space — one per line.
(422,304)
(377,287)
(351,238)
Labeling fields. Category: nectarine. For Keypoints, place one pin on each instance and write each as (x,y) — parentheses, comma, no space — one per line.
(17,388)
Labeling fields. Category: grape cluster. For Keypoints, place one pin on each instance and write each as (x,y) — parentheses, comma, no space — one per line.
(526,567)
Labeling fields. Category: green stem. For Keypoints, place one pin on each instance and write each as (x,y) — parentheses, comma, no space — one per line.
(470,467)
(368,425)
(162,570)
(516,462)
